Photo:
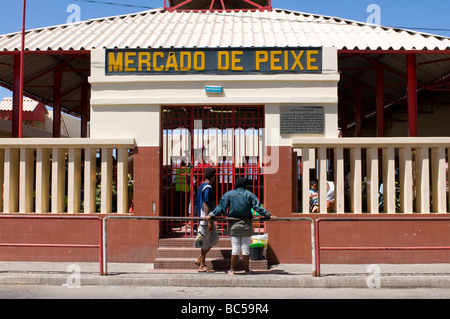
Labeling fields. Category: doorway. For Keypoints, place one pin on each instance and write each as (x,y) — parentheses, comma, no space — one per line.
(228,138)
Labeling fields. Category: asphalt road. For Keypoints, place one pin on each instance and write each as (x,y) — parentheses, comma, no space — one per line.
(189,293)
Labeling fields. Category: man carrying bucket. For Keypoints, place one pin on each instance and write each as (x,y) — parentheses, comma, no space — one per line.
(240,203)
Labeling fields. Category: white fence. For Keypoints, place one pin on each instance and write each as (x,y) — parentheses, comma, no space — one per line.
(64,175)
(412,173)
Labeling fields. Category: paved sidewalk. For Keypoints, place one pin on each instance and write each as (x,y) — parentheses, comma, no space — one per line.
(279,276)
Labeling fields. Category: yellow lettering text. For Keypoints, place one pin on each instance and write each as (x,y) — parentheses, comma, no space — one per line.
(221,65)
(274,60)
(115,65)
(261,57)
(129,61)
(185,56)
(157,67)
(311,60)
(144,58)
(297,60)
(199,61)
(172,62)
(236,61)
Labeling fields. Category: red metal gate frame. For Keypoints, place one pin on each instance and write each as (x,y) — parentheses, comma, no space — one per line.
(99,246)
(351,219)
(259,121)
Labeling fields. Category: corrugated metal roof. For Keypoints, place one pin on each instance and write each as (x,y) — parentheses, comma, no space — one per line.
(277,28)
(29,105)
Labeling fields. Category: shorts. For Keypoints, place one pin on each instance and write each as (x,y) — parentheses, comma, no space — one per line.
(240,245)
(206,239)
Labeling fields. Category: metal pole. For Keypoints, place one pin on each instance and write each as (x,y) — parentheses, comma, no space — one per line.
(104,244)
(412,95)
(380,101)
(317,249)
(101,237)
(22,63)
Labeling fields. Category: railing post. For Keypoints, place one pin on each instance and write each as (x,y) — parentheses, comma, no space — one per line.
(26,176)
(305,180)
(317,248)
(11,186)
(58,180)
(406,180)
(422,180)
(90,180)
(42,180)
(356,178)
(322,159)
(372,181)
(389,192)
(106,178)
(339,181)
(74,181)
(438,179)
(2,174)
(122,181)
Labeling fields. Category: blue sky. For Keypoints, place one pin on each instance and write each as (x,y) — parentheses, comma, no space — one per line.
(431,14)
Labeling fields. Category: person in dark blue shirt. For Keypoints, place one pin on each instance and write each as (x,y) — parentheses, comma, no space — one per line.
(207,236)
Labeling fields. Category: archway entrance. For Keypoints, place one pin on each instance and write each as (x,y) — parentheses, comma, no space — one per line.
(228,138)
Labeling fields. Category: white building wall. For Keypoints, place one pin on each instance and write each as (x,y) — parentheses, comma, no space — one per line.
(130,106)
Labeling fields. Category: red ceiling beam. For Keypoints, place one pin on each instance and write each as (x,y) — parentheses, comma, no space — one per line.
(48,52)
(358,52)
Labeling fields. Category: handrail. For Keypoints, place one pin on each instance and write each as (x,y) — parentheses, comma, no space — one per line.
(317,235)
(367,142)
(67,142)
(100,237)
(164,218)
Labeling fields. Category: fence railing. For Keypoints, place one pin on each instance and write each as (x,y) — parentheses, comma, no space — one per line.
(318,248)
(99,245)
(374,175)
(64,175)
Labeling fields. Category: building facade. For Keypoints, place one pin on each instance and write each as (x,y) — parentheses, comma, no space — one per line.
(279,97)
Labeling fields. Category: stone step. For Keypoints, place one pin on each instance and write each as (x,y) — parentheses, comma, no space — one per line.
(213,263)
(224,242)
(176,252)
(180,254)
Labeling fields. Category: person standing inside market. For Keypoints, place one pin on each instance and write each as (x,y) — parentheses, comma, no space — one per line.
(240,202)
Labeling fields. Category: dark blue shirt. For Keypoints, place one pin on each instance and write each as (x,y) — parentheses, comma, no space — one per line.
(204,195)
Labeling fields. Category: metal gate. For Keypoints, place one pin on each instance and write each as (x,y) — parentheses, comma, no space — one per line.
(228,138)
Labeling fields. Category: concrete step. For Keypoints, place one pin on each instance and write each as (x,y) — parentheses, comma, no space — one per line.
(188,242)
(180,253)
(217,264)
(176,252)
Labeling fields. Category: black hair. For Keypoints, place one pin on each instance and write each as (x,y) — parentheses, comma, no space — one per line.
(209,172)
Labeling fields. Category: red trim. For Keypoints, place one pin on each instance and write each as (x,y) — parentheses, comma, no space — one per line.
(412,95)
(16,96)
(380,101)
(57,103)
(178,7)
(48,52)
(413,52)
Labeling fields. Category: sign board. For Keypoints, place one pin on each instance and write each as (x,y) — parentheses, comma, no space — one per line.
(302,120)
(213,61)
(214,89)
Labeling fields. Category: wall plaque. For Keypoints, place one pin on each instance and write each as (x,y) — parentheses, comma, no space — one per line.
(302,120)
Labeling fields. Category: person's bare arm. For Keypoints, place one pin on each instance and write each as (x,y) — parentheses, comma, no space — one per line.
(207,211)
